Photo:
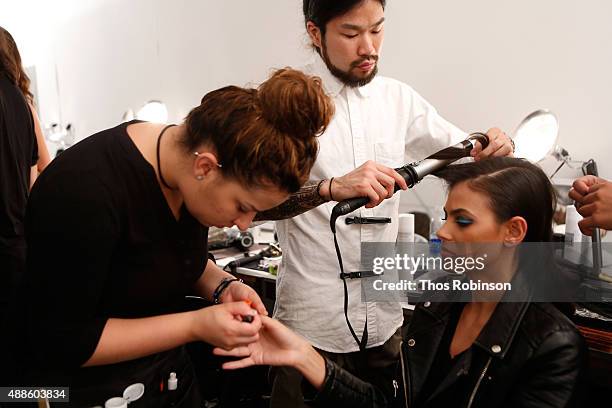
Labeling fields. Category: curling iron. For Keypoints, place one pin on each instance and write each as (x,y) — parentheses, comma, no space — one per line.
(414,172)
(271,251)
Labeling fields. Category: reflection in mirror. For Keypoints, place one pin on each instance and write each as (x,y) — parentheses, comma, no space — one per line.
(153,111)
(127,116)
(536,136)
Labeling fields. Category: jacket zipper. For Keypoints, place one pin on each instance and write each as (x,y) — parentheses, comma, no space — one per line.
(484,371)
(404,376)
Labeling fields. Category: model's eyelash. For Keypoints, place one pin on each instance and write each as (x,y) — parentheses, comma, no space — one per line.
(462,221)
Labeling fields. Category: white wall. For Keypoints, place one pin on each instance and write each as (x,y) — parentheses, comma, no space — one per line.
(482,63)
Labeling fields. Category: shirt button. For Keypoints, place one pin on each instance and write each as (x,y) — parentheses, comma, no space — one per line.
(496,348)
(426,304)
(411,343)
(188,262)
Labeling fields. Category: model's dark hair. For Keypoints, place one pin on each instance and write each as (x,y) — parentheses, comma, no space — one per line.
(266,135)
(10,64)
(515,187)
(320,12)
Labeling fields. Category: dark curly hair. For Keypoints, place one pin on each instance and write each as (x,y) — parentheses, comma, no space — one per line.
(266,135)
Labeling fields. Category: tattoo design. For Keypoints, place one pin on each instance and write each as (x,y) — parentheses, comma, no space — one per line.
(305,199)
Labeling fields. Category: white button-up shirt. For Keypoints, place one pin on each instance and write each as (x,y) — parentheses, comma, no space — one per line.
(385,121)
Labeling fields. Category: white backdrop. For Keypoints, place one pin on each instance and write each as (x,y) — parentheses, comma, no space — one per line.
(480,62)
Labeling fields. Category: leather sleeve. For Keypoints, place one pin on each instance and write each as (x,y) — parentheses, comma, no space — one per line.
(342,389)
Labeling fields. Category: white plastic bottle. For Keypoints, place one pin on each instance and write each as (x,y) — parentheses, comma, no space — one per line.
(574,250)
(405,228)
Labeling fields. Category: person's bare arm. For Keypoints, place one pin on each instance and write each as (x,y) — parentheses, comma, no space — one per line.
(33,175)
(128,339)
(43,153)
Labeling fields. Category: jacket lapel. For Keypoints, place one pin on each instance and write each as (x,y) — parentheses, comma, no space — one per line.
(422,342)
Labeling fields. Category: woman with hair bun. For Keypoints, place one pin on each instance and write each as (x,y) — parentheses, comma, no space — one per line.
(117,236)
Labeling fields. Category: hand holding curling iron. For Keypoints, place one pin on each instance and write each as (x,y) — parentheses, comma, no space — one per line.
(378,182)
(371,179)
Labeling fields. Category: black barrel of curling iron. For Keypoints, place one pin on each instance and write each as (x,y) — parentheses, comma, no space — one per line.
(414,172)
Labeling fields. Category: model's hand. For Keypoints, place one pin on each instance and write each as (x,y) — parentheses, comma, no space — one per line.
(237,291)
(499,145)
(371,180)
(222,325)
(277,346)
(593,196)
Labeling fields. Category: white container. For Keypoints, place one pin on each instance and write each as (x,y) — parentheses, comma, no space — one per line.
(273,264)
(405,228)
(116,402)
(572,231)
(130,394)
(574,250)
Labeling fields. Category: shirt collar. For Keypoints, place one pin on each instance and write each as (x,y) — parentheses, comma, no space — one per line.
(332,85)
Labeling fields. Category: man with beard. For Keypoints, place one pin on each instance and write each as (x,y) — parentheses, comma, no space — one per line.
(380,124)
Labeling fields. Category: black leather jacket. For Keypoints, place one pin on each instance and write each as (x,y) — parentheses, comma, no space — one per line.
(534,355)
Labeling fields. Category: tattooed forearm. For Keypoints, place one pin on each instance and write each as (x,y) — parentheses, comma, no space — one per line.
(305,199)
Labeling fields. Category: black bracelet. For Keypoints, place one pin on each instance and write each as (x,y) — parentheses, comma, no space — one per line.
(319,188)
(331,197)
(225,282)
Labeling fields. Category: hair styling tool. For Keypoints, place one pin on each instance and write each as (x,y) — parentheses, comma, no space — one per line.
(271,251)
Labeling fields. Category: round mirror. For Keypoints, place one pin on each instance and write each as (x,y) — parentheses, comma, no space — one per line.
(536,136)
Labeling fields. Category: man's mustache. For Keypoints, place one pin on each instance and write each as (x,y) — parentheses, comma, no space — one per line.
(360,61)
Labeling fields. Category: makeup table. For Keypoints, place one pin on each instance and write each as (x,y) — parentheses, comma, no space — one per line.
(252,274)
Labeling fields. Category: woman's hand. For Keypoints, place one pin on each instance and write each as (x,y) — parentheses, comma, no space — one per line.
(277,346)
(222,325)
(238,291)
